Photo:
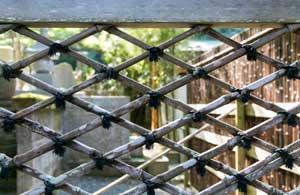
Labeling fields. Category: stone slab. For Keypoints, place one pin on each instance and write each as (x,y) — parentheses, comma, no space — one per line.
(149,12)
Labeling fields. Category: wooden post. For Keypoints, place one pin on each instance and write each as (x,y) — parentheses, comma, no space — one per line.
(240,155)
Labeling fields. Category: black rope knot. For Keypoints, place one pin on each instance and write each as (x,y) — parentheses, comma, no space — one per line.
(151,186)
(154,53)
(290,118)
(154,99)
(150,139)
(57,47)
(8,124)
(106,120)
(199,73)
(59,144)
(287,158)
(251,52)
(198,116)
(291,72)
(60,100)
(244,96)
(49,188)
(245,141)
(8,72)
(109,72)
(100,161)
(200,166)
(242,183)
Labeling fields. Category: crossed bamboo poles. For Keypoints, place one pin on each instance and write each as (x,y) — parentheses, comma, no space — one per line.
(44,85)
(164,89)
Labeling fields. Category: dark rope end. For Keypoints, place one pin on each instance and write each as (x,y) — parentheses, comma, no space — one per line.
(151,186)
(8,72)
(198,117)
(251,52)
(154,53)
(290,118)
(59,148)
(60,102)
(49,188)
(106,120)
(291,72)
(100,161)
(242,183)
(109,72)
(287,158)
(245,142)
(199,73)
(154,99)
(8,124)
(57,47)
(200,166)
(150,139)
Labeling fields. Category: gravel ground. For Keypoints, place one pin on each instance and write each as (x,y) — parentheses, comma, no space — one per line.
(91,184)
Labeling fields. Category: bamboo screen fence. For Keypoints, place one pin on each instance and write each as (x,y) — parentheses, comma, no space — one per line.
(288,155)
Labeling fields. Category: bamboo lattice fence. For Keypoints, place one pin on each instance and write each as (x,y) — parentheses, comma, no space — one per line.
(288,155)
(240,73)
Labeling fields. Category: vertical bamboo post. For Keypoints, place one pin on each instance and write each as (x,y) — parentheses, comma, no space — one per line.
(240,155)
(154,112)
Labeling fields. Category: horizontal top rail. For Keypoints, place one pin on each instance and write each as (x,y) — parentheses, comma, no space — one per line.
(144,13)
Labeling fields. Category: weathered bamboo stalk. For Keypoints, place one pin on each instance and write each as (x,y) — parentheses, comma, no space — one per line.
(25,62)
(217,150)
(44,177)
(47,132)
(19,159)
(145,164)
(229,50)
(266,168)
(277,64)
